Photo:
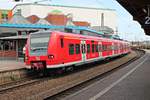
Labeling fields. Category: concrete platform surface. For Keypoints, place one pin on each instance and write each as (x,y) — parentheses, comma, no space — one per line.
(6,65)
(128,83)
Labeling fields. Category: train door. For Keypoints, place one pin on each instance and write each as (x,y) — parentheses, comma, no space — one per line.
(83,50)
(100,49)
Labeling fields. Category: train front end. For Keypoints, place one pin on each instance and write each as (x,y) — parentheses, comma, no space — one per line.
(36,50)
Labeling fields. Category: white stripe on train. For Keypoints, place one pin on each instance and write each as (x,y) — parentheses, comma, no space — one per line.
(76,63)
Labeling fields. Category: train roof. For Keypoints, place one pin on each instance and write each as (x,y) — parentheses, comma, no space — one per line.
(72,35)
(80,28)
(85,29)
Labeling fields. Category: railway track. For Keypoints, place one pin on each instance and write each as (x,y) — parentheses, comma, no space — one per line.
(73,89)
(13,87)
(15,84)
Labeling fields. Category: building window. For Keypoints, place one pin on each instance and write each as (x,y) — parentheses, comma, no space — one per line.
(23,33)
(68,30)
(77,48)
(4,17)
(88,48)
(71,49)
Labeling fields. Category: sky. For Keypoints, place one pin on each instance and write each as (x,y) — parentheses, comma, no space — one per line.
(127,28)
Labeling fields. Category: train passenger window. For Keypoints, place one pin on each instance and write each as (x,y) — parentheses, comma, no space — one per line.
(104,47)
(62,43)
(77,48)
(109,47)
(100,47)
(93,48)
(112,47)
(116,47)
(71,49)
(96,48)
(88,48)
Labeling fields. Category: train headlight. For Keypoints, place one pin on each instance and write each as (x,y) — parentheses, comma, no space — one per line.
(50,56)
(26,58)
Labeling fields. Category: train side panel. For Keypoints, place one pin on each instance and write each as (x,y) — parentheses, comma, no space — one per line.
(68,49)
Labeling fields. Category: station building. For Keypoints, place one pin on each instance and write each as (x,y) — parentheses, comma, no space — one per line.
(23,19)
(14,32)
(95,16)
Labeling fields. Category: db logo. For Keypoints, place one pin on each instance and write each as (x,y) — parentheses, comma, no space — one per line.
(37,58)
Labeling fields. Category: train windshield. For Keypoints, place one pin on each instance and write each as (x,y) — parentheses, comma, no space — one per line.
(39,42)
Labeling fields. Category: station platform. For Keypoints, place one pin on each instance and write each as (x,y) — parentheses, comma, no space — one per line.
(128,83)
(7,65)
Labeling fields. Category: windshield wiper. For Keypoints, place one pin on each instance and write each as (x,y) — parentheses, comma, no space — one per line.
(40,48)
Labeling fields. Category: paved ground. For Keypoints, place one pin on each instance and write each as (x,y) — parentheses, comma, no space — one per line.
(10,65)
(129,83)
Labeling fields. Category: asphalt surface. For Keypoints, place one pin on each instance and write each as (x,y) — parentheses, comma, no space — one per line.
(129,83)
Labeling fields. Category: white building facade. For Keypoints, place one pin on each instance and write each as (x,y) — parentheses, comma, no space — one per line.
(95,16)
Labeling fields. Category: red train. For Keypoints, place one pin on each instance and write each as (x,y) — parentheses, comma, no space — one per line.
(57,49)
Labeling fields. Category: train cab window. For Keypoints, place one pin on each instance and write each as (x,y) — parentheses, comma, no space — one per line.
(77,46)
(62,43)
(93,48)
(96,48)
(88,48)
(71,49)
